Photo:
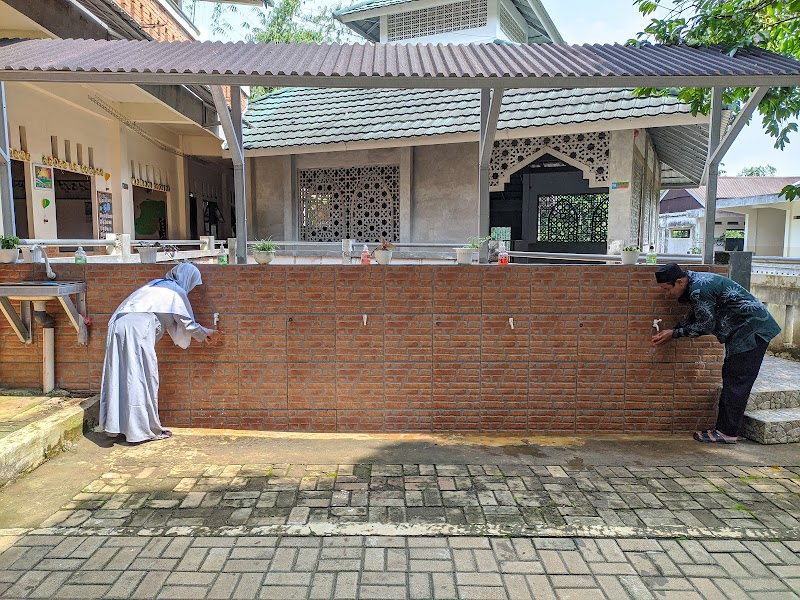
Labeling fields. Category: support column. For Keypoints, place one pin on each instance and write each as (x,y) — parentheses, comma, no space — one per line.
(490,112)
(713,173)
(788,327)
(7,223)
(232,126)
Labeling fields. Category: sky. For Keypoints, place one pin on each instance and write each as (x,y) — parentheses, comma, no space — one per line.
(608,21)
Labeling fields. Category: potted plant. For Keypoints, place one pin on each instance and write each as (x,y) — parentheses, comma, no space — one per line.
(9,249)
(383,253)
(630,254)
(264,251)
(148,251)
(465,253)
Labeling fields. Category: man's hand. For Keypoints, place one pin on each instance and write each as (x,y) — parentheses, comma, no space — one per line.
(662,337)
(209,336)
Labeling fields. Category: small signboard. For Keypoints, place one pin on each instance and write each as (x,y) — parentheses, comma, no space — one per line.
(620,185)
(105,218)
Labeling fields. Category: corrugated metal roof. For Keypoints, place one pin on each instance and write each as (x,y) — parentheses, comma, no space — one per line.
(369,26)
(295,117)
(390,65)
(748,187)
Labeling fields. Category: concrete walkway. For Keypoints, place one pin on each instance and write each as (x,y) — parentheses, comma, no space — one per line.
(235,515)
(778,375)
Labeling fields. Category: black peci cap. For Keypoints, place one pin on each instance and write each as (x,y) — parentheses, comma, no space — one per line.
(669,273)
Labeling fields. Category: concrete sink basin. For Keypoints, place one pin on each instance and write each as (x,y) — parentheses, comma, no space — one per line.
(40,290)
(33,297)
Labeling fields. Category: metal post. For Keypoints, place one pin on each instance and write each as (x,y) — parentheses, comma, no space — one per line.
(6,191)
(713,172)
(238,178)
(490,112)
(483,179)
(231,122)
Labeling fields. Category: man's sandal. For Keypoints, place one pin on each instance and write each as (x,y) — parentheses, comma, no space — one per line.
(712,436)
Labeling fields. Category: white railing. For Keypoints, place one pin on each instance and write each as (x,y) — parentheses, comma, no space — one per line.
(606,258)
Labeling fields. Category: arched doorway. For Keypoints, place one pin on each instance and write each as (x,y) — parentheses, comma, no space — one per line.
(550,207)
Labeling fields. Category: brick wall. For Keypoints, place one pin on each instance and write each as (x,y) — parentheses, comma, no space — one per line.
(437,352)
(155,20)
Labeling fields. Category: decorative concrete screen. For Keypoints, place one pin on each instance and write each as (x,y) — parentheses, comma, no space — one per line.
(425,22)
(436,353)
(573,218)
(360,203)
(586,151)
(510,26)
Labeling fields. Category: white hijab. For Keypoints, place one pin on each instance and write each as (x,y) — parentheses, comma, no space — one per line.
(166,296)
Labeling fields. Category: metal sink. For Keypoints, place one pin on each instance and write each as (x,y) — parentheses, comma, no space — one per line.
(40,290)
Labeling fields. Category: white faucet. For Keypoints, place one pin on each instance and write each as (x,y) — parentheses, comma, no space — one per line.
(50,274)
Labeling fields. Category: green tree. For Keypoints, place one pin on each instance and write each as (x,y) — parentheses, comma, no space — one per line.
(759,171)
(733,24)
(286,22)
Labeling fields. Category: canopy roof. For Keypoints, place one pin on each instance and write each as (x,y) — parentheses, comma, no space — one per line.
(390,65)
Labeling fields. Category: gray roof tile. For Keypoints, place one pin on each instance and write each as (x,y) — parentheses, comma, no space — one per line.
(314,116)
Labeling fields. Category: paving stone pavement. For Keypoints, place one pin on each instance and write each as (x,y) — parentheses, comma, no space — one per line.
(385,567)
(416,531)
(439,499)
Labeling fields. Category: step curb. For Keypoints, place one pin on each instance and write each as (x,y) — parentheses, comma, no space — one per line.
(24,450)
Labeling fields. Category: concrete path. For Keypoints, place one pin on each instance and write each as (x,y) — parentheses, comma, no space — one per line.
(235,515)
(778,375)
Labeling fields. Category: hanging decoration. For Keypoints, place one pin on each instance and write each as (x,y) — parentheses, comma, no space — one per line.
(19,155)
(159,187)
(73,167)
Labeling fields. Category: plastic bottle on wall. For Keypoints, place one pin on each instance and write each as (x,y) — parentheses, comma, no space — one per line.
(80,256)
(222,259)
(365,256)
(652,257)
(502,255)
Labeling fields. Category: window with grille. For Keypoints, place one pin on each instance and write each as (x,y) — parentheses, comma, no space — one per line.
(510,26)
(457,16)
(573,218)
(361,203)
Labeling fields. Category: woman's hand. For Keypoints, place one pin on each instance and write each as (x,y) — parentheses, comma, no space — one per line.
(662,337)
(209,336)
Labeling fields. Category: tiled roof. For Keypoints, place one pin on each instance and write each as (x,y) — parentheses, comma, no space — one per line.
(390,65)
(295,117)
(369,26)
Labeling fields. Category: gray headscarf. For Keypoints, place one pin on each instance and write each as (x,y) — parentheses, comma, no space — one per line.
(186,275)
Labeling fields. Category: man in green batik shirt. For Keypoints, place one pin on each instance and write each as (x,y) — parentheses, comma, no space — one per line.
(720,306)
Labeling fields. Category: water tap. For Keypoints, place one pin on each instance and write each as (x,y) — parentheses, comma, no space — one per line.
(50,274)
(656,325)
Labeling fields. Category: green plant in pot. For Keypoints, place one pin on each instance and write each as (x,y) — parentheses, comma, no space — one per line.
(630,254)
(264,251)
(9,249)
(465,253)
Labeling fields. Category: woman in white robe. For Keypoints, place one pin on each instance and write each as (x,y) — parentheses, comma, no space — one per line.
(129,392)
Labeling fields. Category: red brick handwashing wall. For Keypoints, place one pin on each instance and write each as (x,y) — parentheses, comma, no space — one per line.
(437,352)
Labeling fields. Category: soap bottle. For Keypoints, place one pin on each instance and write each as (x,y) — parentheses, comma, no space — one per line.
(222,259)
(502,255)
(366,257)
(80,256)
(652,257)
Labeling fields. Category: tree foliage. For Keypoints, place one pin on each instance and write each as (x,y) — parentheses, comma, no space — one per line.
(759,171)
(286,22)
(733,25)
